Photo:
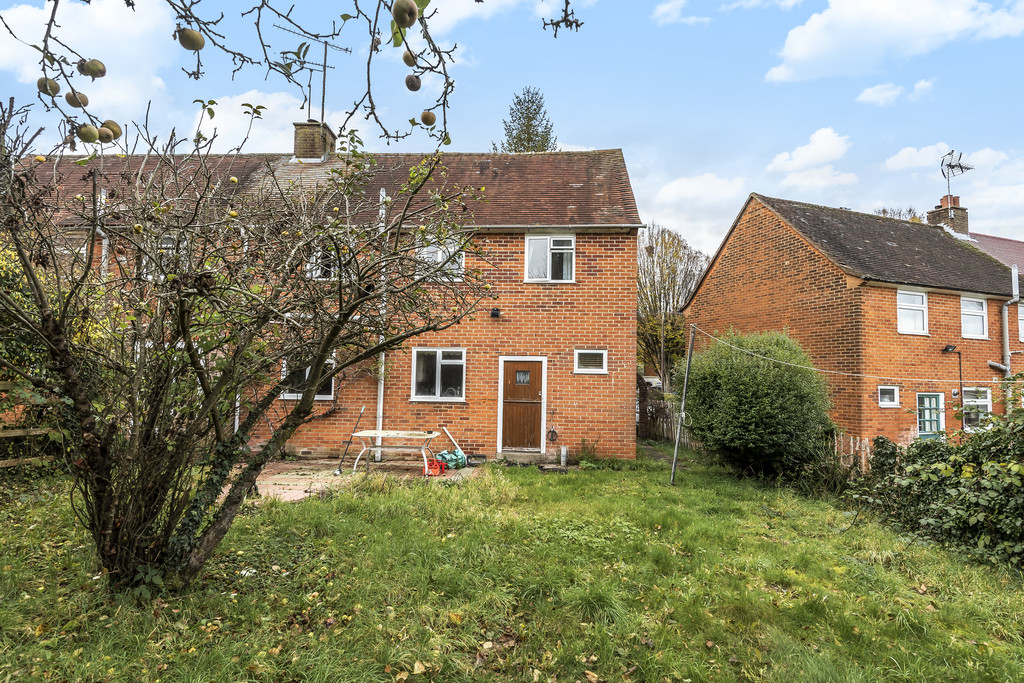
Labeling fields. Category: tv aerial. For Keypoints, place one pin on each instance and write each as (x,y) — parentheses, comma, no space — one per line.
(315,66)
(951,164)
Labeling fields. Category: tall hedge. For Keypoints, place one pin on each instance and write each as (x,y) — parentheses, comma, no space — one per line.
(756,400)
(967,494)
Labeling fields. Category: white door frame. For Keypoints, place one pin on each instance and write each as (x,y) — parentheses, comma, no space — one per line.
(543,395)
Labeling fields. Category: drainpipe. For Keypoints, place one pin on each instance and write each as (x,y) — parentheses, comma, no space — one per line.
(104,253)
(1005,318)
(380,400)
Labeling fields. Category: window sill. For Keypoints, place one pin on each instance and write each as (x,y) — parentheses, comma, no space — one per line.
(965,336)
(888,405)
(435,399)
(298,397)
(549,282)
(590,372)
(916,334)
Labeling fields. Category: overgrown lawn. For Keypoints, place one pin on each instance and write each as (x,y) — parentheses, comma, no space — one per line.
(523,576)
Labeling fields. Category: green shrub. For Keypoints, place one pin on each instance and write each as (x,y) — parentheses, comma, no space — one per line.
(967,495)
(759,415)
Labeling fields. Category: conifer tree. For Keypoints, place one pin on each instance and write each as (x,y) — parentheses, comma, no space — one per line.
(528,128)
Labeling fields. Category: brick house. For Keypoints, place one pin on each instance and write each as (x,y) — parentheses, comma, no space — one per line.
(552,361)
(878,304)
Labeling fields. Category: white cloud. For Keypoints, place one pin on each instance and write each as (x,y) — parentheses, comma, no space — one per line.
(701,207)
(854,36)
(671,12)
(987,159)
(575,148)
(131,82)
(86,28)
(450,13)
(748,4)
(912,157)
(881,95)
(922,87)
(273,133)
(807,167)
(825,145)
(817,178)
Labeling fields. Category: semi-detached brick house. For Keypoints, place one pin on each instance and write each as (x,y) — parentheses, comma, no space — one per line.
(554,362)
(874,301)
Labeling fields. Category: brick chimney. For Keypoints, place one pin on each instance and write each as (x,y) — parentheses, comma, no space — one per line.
(949,213)
(313,140)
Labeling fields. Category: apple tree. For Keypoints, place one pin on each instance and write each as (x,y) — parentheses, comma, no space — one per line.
(167,291)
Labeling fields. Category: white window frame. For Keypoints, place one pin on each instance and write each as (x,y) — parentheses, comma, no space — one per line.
(314,264)
(1020,321)
(942,413)
(154,267)
(590,371)
(923,307)
(983,314)
(547,240)
(437,253)
(293,396)
(895,403)
(438,363)
(984,403)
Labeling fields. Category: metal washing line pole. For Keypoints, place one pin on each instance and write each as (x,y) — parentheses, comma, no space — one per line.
(682,407)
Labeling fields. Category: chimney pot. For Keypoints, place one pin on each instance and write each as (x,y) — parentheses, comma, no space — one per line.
(948,212)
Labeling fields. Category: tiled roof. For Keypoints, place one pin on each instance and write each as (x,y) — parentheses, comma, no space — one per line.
(547,189)
(888,250)
(1010,252)
(552,189)
(70,175)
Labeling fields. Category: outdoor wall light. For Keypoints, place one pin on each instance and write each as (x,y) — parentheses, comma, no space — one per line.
(495,312)
(949,348)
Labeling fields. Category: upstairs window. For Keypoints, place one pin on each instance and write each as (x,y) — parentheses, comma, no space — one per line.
(974,318)
(321,264)
(911,312)
(438,374)
(165,260)
(445,251)
(550,259)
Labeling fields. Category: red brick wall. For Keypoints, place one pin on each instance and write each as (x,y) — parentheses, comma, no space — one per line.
(769,278)
(597,311)
(899,359)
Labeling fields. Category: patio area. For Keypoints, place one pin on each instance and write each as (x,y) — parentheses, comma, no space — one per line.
(291,480)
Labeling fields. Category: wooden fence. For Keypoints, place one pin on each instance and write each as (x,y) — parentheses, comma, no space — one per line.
(28,434)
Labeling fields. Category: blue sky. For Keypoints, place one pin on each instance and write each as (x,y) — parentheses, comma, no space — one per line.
(838,102)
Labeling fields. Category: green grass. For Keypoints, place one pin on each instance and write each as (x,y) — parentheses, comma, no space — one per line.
(522,576)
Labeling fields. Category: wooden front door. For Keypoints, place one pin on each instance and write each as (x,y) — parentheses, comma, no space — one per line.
(522,403)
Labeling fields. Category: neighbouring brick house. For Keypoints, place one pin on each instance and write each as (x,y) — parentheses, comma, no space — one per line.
(874,301)
(560,229)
